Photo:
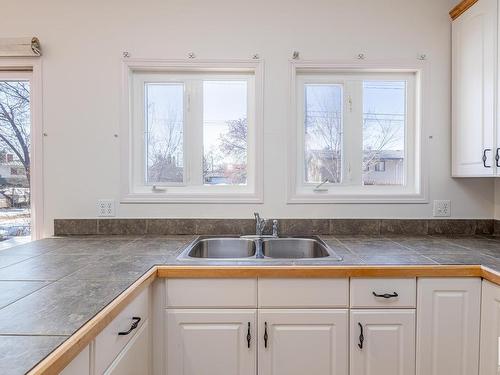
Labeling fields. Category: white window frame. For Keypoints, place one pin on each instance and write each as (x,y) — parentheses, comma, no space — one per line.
(136,72)
(30,69)
(351,190)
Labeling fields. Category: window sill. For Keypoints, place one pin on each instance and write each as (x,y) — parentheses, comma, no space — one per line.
(191,198)
(322,198)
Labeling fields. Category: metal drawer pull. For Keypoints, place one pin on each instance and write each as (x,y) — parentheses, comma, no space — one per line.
(361,337)
(134,325)
(249,336)
(386,295)
(266,337)
(497,156)
(485,157)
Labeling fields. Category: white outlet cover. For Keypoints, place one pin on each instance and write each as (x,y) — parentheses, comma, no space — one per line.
(106,208)
(441,208)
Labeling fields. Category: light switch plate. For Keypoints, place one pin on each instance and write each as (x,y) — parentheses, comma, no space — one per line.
(106,208)
(442,208)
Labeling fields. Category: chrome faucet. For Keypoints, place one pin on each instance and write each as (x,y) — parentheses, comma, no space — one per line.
(259,224)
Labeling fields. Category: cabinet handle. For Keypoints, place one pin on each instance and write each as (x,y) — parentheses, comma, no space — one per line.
(361,337)
(134,325)
(497,157)
(485,158)
(249,336)
(386,295)
(266,337)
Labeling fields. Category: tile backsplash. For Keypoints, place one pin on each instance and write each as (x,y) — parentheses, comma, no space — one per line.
(71,227)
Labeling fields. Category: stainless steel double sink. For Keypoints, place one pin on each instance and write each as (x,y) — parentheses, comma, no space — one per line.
(257,248)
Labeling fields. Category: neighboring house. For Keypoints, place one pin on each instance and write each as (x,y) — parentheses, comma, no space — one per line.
(385,168)
(14,187)
(380,168)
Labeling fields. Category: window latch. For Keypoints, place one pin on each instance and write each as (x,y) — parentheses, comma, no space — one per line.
(319,189)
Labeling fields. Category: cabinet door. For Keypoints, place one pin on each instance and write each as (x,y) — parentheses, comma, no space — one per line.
(382,342)
(473,93)
(135,357)
(303,342)
(211,342)
(448,314)
(490,330)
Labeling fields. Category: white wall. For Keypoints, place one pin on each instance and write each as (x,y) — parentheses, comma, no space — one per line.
(83,43)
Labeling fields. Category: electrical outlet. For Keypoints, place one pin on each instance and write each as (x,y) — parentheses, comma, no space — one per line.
(106,208)
(442,208)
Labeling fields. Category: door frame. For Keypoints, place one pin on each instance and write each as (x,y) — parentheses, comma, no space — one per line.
(33,66)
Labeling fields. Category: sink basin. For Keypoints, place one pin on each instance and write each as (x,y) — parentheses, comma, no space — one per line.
(294,248)
(222,248)
(255,248)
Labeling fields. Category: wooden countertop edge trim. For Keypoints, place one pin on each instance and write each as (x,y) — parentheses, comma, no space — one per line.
(56,361)
(317,271)
(461,8)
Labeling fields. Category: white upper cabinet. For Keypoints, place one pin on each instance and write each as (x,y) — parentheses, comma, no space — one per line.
(211,342)
(382,342)
(303,341)
(448,315)
(490,330)
(474,67)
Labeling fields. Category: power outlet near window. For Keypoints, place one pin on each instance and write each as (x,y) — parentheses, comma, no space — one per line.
(106,208)
(442,208)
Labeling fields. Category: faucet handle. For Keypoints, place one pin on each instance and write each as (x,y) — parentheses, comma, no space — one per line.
(275,228)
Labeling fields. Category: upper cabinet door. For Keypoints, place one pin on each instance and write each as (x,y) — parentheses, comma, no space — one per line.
(383,342)
(448,314)
(299,342)
(490,329)
(211,342)
(474,67)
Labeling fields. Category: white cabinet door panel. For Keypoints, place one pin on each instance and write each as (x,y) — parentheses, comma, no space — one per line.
(448,315)
(80,365)
(382,342)
(211,342)
(303,342)
(473,79)
(490,330)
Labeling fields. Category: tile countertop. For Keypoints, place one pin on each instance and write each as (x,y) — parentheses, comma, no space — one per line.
(52,287)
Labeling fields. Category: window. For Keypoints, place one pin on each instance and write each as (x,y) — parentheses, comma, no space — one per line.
(194,132)
(357,135)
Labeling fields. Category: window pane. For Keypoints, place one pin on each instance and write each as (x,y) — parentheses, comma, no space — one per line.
(15,142)
(384,119)
(225,131)
(323,133)
(163,133)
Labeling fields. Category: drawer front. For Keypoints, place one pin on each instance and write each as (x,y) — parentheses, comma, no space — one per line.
(303,293)
(108,344)
(398,293)
(211,293)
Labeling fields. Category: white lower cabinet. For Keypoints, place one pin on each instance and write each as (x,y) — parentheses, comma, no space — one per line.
(211,342)
(382,342)
(135,357)
(490,330)
(298,342)
(448,315)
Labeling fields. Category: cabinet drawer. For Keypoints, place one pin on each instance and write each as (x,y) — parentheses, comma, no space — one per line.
(108,344)
(398,293)
(306,293)
(216,293)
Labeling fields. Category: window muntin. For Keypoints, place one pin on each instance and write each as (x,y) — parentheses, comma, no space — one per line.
(203,93)
(365,101)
